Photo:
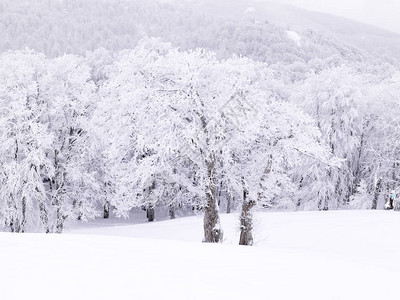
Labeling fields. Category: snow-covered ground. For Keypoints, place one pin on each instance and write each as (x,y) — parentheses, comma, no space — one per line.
(304,255)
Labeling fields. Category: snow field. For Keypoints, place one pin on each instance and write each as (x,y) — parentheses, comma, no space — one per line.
(308,255)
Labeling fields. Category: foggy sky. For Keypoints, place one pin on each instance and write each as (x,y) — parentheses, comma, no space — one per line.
(382,13)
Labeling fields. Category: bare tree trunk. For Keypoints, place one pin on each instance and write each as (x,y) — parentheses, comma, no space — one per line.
(246,219)
(172,211)
(106,210)
(60,221)
(13,221)
(376,193)
(80,214)
(12,228)
(150,213)
(56,202)
(44,217)
(389,205)
(357,172)
(106,207)
(228,202)
(387,196)
(22,228)
(56,186)
(389,201)
(212,227)
(323,204)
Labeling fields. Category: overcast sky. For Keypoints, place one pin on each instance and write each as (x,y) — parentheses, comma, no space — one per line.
(382,13)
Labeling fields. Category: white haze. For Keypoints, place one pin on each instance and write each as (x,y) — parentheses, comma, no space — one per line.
(381,13)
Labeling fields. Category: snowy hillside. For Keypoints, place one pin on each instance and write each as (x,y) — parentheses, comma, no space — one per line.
(77,26)
(362,35)
(316,255)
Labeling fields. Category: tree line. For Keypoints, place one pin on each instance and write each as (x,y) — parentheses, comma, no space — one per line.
(155,126)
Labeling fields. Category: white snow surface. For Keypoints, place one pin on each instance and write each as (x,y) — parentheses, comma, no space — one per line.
(302,255)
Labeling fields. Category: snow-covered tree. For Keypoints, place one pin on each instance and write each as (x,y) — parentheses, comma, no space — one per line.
(333,97)
(380,156)
(280,141)
(25,142)
(68,94)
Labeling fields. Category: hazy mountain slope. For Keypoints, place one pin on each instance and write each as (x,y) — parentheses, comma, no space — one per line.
(375,39)
(55,27)
(241,27)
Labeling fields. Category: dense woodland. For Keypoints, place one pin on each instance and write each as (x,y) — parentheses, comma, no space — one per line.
(110,113)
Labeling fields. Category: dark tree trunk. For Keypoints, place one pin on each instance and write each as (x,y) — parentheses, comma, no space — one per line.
(391,186)
(44,217)
(11,204)
(172,211)
(323,204)
(326,206)
(246,220)
(12,225)
(387,196)
(106,207)
(376,193)
(22,228)
(106,210)
(56,187)
(390,203)
(212,228)
(150,213)
(16,224)
(60,216)
(14,221)
(228,202)
(77,205)
(80,214)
